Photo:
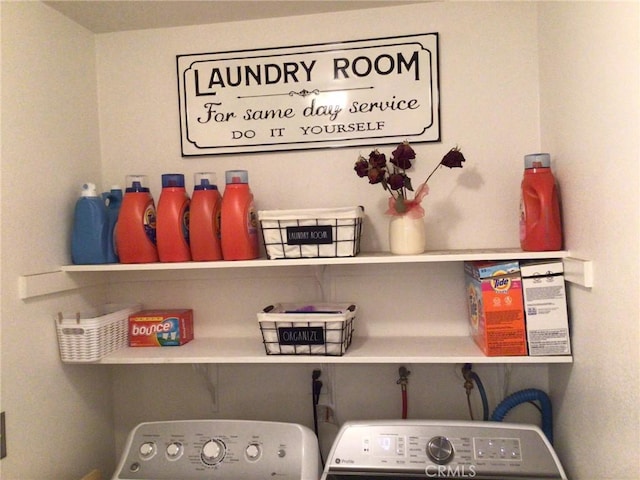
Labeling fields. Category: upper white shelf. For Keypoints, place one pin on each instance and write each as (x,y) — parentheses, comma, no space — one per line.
(576,271)
(362,258)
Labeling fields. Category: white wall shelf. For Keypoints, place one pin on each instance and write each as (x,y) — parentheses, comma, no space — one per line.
(363,258)
(427,349)
(69,277)
(458,349)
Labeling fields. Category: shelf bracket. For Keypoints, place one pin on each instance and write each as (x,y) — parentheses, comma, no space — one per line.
(47,283)
(578,271)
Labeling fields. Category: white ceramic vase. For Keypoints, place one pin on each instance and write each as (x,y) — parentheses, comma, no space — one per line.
(407,235)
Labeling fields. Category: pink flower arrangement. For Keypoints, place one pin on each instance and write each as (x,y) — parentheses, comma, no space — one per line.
(395,180)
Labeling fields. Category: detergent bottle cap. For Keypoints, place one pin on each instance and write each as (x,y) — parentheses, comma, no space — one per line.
(205,181)
(236,176)
(172,180)
(537,160)
(88,190)
(136,183)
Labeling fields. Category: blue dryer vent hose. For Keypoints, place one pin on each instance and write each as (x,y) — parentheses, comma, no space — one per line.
(523,396)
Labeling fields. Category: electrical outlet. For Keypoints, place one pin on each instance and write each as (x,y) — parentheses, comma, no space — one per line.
(3,436)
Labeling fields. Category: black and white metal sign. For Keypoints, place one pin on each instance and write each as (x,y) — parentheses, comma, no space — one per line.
(360,92)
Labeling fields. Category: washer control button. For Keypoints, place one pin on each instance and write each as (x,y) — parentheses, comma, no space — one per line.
(212,452)
(440,450)
(253,451)
(147,450)
(174,450)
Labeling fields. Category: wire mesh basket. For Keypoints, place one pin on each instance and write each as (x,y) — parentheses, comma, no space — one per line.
(312,233)
(305,329)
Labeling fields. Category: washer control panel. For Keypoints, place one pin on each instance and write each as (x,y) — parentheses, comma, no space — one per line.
(221,449)
(442,449)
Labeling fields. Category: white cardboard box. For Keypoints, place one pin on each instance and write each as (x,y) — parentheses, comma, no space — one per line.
(545,306)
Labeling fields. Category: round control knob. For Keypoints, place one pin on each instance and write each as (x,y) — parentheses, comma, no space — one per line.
(212,452)
(253,451)
(147,450)
(440,450)
(174,450)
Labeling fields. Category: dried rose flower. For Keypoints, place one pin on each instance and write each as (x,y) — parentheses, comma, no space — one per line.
(395,180)
(377,159)
(453,159)
(362,167)
(401,157)
(376,175)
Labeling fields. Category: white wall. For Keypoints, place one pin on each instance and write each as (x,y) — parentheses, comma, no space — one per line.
(493,91)
(590,104)
(59,418)
(490,96)
(488,74)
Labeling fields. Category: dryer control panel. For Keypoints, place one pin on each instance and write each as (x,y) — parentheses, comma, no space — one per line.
(441,449)
(221,449)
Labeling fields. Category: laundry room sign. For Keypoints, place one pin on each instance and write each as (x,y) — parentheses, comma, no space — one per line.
(358,92)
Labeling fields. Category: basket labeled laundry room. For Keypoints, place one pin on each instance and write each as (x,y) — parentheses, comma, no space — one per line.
(91,335)
(307,329)
(312,233)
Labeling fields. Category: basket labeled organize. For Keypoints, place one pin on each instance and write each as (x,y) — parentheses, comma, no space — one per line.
(307,329)
(88,336)
(312,233)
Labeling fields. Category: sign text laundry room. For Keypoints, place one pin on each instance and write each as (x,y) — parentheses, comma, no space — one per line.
(312,96)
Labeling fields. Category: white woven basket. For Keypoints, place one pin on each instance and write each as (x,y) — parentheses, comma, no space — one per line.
(88,336)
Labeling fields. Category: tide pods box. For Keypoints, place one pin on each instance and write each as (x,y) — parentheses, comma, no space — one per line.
(545,306)
(160,328)
(496,312)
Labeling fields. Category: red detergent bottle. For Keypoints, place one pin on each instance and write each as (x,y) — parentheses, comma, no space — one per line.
(239,222)
(540,221)
(136,228)
(204,218)
(172,224)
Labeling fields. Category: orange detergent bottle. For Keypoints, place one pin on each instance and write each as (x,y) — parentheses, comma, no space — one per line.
(238,223)
(204,218)
(136,228)
(173,220)
(540,222)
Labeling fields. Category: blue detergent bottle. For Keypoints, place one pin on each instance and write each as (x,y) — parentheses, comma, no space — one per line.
(113,200)
(90,236)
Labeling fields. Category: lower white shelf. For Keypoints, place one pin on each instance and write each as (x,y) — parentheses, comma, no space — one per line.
(458,349)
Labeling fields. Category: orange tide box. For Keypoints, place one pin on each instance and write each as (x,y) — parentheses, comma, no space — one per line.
(496,310)
(160,328)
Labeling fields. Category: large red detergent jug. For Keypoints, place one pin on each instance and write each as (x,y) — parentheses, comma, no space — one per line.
(540,221)
(136,228)
(204,218)
(172,224)
(239,222)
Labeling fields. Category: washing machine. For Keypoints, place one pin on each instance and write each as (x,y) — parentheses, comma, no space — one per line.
(221,450)
(414,449)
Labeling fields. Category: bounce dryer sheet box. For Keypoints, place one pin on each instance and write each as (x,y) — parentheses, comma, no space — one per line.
(160,328)
(496,313)
(545,306)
